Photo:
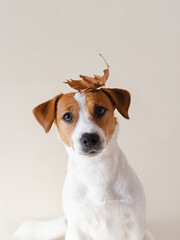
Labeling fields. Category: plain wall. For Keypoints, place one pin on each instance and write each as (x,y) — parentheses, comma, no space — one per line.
(42,43)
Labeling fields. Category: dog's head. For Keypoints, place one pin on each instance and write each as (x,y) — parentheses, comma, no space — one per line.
(85,121)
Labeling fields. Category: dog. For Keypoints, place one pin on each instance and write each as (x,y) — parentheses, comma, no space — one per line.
(103,198)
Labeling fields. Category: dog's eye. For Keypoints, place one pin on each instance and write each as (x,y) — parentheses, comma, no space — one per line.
(99,111)
(68,117)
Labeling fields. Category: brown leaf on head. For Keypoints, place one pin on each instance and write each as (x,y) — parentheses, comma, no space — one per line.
(87,83)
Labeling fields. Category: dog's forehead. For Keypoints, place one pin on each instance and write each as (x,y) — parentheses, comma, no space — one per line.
(66,102)
(74,101)
(97,97)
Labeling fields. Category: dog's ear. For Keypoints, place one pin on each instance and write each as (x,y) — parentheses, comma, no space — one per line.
(45,113)
(120,98)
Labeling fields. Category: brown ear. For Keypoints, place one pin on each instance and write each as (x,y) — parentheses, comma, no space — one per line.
(120,98)
(45,113)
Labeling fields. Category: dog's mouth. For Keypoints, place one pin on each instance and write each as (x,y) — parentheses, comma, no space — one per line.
(91,153)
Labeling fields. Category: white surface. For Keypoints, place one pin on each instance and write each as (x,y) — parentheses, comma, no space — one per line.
(43,43)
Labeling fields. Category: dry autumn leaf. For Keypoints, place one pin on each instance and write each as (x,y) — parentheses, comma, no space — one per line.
(87,83)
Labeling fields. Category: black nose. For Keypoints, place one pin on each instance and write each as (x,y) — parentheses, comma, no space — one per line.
(90,141)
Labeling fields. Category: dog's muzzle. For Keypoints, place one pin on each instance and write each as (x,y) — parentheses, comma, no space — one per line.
(90,143)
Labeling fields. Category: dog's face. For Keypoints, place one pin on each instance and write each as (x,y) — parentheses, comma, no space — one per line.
(85,121)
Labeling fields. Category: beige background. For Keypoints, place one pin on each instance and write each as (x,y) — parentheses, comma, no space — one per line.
(42,43)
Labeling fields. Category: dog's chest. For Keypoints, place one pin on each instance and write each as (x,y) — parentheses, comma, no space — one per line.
(95,217)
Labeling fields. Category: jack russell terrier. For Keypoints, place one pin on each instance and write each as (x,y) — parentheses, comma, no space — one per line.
(102,197)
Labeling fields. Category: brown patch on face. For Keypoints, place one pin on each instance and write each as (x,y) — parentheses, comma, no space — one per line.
(107,122)
(66,104)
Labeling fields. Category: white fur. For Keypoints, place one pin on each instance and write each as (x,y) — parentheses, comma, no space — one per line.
(102,196)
